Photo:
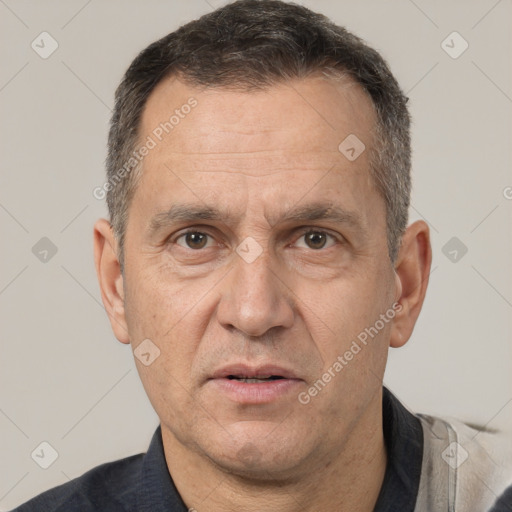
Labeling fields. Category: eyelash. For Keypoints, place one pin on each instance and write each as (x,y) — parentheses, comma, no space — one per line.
(303,232)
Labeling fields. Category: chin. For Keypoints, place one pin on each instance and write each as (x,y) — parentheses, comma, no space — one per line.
(250,463)
(257,450)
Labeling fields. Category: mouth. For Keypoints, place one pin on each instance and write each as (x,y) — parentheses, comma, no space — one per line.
(263,372)
(257,379)
(245,384)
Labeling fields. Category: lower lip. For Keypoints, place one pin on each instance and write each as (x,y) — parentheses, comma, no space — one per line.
(255,392)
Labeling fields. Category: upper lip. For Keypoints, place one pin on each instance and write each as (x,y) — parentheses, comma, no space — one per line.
(251,372)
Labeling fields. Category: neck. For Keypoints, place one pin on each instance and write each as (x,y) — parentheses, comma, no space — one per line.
(348,479)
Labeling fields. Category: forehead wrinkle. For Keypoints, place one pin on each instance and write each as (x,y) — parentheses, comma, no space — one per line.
(251,166)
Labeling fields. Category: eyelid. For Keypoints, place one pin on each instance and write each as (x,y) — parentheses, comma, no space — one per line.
(204,229)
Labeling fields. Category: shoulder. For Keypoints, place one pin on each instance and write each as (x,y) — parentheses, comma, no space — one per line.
(475,461)
(107,487)
(488,461)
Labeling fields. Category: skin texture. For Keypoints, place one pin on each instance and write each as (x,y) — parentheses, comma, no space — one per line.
(300,304)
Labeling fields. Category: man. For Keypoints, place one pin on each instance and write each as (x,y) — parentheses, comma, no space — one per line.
(258,260)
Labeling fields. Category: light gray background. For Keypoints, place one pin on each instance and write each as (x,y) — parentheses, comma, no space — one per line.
(64,378)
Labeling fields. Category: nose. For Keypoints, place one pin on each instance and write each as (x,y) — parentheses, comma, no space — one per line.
(253,299)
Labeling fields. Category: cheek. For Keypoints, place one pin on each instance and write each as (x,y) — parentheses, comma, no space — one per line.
(157,301)
(153,313)
(340,308)
(174,314)
(148,303)
(166,315)
(348,322)
(353,344)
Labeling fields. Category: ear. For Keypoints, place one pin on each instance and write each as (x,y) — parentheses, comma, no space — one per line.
(110,278)
(412,271)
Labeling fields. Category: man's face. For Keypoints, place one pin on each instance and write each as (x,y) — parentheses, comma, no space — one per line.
(272,287)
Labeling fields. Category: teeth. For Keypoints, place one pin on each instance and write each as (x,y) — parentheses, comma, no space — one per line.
(255,380)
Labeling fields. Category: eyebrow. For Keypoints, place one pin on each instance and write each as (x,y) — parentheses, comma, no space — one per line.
(187,212)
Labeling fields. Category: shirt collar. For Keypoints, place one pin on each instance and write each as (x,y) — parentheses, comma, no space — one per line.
(157,492)
(403,436)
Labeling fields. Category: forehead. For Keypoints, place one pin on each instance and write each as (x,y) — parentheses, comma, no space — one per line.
(270,145)
(311,114)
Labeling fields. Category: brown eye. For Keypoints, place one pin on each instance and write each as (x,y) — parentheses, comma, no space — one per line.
(193,240)
(315,239)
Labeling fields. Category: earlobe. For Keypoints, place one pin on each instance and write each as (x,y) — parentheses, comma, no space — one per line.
(110,278)
(412,270)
